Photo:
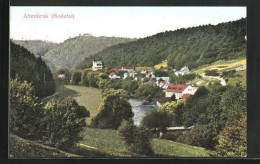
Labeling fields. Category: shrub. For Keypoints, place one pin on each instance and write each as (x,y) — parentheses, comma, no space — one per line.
(63,121)
(25,110)
(211,73)
(173,136)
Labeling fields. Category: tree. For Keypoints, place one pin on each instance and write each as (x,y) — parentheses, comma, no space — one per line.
(63,121)
(128,131)
(75,78)
(232,140)
(26,110)
(157,119)
(142,144)
(149,92)
(112,111)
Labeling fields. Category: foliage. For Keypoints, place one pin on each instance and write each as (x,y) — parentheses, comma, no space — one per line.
(192,47)
(128,131)
(25,110)
(142,144)
(112,111)
(232,140)
(173,136)
(157,119)
(211,72)
(130,85)
(200,135)
(160,73)
(66,79)
(31,69)
(63,120)
(149,91)
(176,110)
(75,78)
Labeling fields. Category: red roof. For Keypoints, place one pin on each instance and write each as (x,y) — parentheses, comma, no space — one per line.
(185,96)
(164,82)
(129,67)
(114,70)
(179,88)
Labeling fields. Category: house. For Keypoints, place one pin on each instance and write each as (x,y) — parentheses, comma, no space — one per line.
(113,76)
(152,80)
(175,89)
(97,65)
(184,70)
(163,78)
(148,72)
(128,68)
(61,76)
(181,91)
(163,84)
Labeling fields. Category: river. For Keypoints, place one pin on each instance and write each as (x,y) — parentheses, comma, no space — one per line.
(139,108)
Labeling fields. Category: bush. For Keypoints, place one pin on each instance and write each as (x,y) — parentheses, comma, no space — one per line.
(173,136)
(211,73)
(63,121)
(26,110)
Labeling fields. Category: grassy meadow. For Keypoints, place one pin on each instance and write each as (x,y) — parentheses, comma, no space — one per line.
(221,65)
(85,96)
(106,142)
(162,64)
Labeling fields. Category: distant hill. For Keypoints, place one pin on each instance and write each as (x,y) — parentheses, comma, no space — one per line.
(72,51)
(37,47)
(193,47)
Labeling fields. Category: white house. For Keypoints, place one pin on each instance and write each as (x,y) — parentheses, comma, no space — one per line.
(113,76)
(61,76)
(97,65)
(163,84)
(184,70)
(182,91)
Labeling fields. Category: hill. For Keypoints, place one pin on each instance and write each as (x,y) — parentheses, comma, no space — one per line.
(72,51)
(36,47)
(34,70)
(22,148)
(193,47)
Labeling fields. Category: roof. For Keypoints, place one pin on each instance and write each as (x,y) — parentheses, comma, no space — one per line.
(99,62)
(185,96)
(164,83)
(114,70)
(179,128)
(129,67)
(178,88)
(163,78)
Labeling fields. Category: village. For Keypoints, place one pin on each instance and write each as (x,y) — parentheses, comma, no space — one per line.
(180,91)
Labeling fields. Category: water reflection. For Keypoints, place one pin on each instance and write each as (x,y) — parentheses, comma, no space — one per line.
(139,108)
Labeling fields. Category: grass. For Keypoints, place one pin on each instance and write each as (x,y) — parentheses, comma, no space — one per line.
(169,148)
(221,66)
(106,142)
(22,148)
(85,96)
(162,64)
(242,78)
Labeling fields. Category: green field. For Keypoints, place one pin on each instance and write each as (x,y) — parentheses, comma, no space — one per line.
(221,65)
(162,64)
(86,96)
(108,143)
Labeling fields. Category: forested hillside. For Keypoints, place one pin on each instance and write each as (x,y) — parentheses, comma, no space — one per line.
(192,47)
(37,47)
(72,51)
(34,70)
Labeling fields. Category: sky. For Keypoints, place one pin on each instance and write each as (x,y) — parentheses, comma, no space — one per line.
(130,22)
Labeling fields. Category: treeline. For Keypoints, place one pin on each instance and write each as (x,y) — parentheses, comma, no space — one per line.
(29,68)
(192,47)
(217,115)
